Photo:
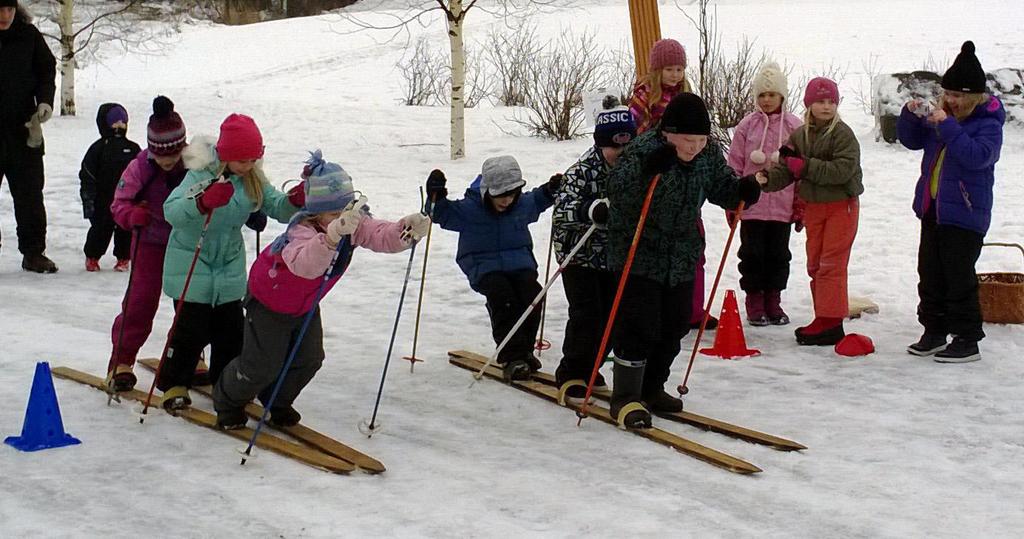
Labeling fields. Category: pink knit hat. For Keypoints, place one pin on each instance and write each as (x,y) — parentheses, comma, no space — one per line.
(240,139)
(821,88)
(666,52)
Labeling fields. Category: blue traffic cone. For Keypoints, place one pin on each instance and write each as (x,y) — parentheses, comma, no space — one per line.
(43,427)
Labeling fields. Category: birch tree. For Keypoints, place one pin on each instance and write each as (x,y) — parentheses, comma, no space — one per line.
(454,12)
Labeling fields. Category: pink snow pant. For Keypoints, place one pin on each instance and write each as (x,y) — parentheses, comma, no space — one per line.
(697,305)
(831,228)
(139,305)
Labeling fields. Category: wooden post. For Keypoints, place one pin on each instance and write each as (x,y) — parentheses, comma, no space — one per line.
(643,17)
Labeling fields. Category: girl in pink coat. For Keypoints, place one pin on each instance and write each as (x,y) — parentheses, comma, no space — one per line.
(764,231)
(138,206)
(283,286)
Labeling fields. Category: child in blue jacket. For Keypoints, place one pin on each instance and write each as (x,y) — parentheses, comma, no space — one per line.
(496,250)
(961,138)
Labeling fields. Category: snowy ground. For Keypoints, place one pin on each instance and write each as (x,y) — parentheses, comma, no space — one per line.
(898,446)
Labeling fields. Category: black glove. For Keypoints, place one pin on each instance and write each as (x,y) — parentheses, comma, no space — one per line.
(749,190)
(435,185)
(257,221)
(553,184)
(786,151)
(597,211)
(660,161)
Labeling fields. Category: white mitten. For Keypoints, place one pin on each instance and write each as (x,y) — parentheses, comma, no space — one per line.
(415,226)
(346,223)
(44,112)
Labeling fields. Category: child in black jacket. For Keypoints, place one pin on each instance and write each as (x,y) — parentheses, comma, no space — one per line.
(101,170)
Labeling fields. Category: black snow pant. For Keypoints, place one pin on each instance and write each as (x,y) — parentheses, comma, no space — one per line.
(590,293)
(102,227)
(764,255)
(508,294)
(652,320)
(201,324)
(948,286)
(23,168)
(269,338)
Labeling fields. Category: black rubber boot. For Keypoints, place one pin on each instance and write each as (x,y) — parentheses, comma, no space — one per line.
(517,369)
(231,419)
(626,405)
(661,402)
(38,263)
(285,416)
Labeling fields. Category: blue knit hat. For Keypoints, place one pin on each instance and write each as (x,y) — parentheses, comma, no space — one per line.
(328,186)
(116,114)
(614,128)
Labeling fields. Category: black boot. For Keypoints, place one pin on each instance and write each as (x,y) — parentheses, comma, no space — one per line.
(38,263)
(626,405)
(928,344)
(516,369)
(659,401)
(284,416)
(231,419)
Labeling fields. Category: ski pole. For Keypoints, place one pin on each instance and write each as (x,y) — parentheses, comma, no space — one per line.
(394,331)
(428,210)
(541,343)
(618,297)
(295,348)
(682,389)
(540,296)
(168,351)
(111,394)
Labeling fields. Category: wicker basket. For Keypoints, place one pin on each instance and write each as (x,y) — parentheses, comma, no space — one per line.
(1001,294)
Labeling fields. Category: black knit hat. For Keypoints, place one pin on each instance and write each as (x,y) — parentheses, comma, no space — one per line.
(686,114)
(8,3)
(966,74)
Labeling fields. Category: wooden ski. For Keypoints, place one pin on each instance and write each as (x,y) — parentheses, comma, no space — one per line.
(300,432)
(699,421)
(266,441)
(688,447)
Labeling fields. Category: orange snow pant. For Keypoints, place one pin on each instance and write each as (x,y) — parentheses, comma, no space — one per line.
(831,228)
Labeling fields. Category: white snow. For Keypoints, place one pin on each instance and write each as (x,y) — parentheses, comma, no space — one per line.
(897,445)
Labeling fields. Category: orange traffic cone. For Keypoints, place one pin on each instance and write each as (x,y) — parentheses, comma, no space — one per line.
(729,340)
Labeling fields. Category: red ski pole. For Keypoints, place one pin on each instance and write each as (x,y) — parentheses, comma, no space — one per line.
(618,297)
(682,389)
(174,321)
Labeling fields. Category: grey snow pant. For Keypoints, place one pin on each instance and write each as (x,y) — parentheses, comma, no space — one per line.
(268,339)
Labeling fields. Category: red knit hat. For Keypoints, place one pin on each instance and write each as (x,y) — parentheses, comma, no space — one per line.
(240,139)
(666,52)
(165,132)
(854,345)
(821,88)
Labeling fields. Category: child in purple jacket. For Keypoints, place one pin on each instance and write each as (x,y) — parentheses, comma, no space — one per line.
(961,139)
(765,227)
(283,286)
(138,206)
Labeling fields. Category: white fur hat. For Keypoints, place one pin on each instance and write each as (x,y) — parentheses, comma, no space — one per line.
(770,79)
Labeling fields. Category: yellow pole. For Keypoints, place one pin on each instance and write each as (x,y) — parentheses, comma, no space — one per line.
(646,26)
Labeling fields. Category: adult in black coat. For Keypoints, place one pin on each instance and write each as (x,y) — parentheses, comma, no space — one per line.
(27,73)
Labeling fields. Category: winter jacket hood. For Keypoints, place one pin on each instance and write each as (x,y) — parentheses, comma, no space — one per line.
(967,173)
(101,119)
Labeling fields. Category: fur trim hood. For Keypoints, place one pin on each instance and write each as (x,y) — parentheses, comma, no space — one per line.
(201,154)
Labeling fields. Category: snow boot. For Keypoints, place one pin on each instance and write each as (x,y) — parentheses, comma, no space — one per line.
(959,351)
(928,344)
(122,265)
(626,405)
(92,264)
(517,369)
(38,263)
(773,308)
(661,402)
(755,308)
(821,332)
(284,416)
(176,398)
(231,419)
(201,376)
(121,378)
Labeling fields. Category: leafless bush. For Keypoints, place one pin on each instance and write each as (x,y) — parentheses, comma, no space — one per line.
(621,72)
(478,85)
(509,51)
(555,81)
(730,81)
(862,96)
(424,74)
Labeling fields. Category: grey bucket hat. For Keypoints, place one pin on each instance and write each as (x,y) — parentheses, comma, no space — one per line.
(500,175)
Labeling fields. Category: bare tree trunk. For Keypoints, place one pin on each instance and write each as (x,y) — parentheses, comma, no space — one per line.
(67,58)
(455,17)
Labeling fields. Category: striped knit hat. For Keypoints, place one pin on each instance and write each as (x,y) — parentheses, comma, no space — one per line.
(328,186)
(165,132)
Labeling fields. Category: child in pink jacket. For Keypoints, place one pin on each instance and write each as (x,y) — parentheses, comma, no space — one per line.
(283,286)
(764,230)
(138,206)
